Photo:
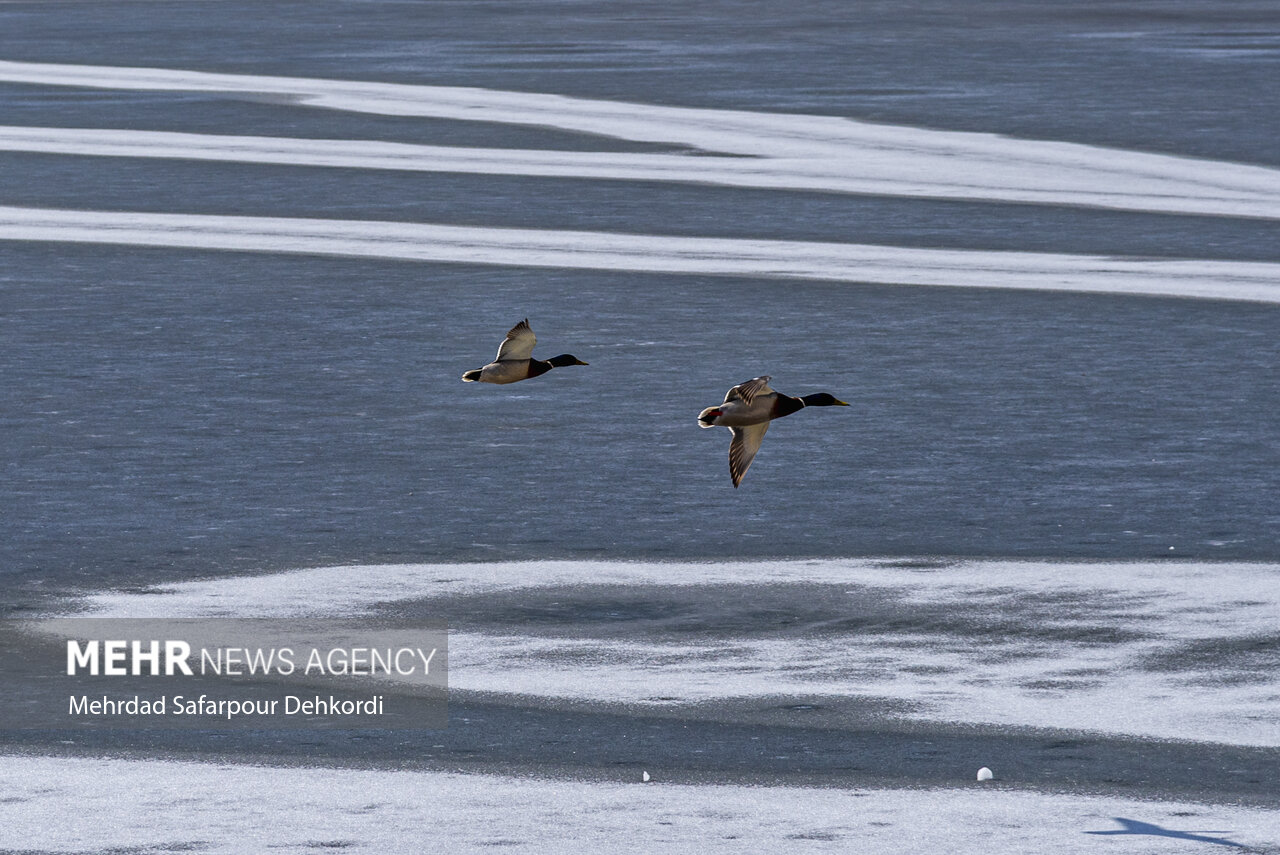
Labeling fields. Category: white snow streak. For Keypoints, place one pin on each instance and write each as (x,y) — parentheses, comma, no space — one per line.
(773,150)
(740,148)
(840,262)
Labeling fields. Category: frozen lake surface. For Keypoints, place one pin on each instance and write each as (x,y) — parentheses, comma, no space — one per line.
(1175,651)
(249,250)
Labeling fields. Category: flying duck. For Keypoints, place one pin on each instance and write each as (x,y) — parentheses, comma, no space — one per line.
(746,412)
(515,361)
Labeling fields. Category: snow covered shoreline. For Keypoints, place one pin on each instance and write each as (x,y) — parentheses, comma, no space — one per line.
(214,807)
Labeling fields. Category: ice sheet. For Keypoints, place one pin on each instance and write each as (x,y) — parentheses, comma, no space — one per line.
(1159,649)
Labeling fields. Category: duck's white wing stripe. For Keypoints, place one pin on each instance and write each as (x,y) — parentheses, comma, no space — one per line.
(518,344)
(743,448)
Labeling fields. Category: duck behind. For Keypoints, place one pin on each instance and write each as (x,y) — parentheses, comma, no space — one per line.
(515,361)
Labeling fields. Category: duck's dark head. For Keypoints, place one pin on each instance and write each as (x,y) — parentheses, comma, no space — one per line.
(564,360)
(822,399)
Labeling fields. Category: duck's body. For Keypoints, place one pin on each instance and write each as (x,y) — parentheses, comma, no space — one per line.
(503,371)
(515,361)
(747,410)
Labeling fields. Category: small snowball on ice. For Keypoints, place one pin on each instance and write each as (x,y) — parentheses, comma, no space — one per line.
(984,774)
(644,776)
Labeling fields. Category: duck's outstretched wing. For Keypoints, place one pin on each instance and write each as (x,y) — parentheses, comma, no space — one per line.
(746,392)
(518,344)
(742,449)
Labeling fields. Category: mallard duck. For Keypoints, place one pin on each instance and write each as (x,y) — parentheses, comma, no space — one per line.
(746,412)
(515,361)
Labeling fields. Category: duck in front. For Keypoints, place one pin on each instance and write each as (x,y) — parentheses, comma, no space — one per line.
(515,361)
(747,410)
